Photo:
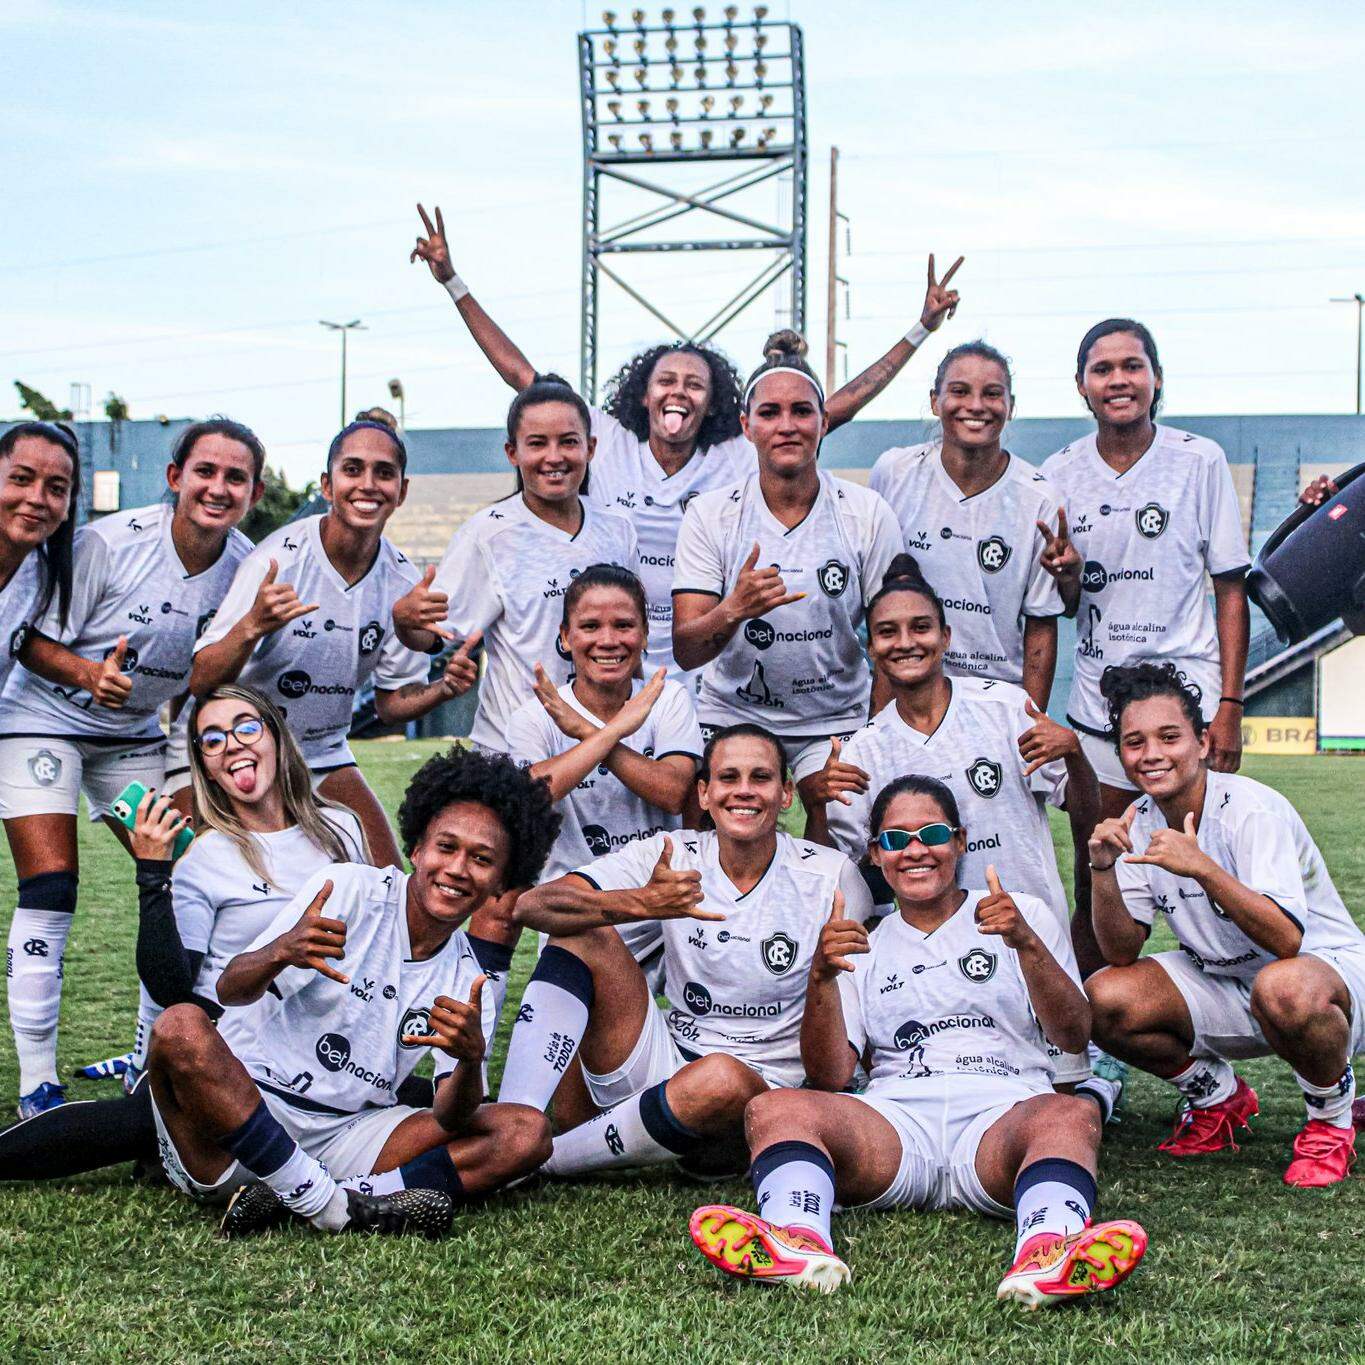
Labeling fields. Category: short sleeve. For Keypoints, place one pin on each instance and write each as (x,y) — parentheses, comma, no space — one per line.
(240,598)
(1225,547)
(857,898)
(852,1005)
(1041,594)
(698,565)
(1135,886)
(467,578)
(348,828)
(883,545)
(879,480)
(196,908)
(1267,861)
(1050,781)
(628,867)
(89,583)
(398,665)
(293,979)
(526,737)
(675,729)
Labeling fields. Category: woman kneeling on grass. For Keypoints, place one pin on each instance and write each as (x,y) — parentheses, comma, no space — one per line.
(950,1006)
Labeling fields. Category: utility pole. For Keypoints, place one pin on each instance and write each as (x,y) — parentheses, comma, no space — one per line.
(832,342)
(343,327)
(1359,301)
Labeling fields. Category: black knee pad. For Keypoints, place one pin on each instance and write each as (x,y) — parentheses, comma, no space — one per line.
(55,891)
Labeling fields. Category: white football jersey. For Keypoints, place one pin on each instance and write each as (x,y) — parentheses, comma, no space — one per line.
(1146,539)
(975,754)
(222,906)
(739,986)
(953,1002)
(506,572)
(313,667)
(625,478)
(337,1049)
(799,670)
(17,600)
(602,813)
(980,554)
(128,581)
(1252,832)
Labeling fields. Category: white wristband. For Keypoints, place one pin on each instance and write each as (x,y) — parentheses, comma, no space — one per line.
(917,335)
(456,288)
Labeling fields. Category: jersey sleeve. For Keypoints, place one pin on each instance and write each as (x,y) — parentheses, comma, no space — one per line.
(527,738)
(1050,781)
(196,908)
(1135,887)
(857,898)
(1267,861)
(89,584)
(238,601)
(676,730)
(466,576)
(348,827)
(1225,547)
(879,480)
(626,868)
(1041,594)
(293,979)
(698,563)
(398,665)
(883,545)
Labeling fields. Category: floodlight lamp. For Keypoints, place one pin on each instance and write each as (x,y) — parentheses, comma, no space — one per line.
(675,141)
(736,101)
(667,17)
(760,13)
(641,76)
(699,14)
(615,140)
(670,44)
(701,42)
(731,71)
(609,18)
(613,79)
(639,46)
(769,134)
(706,136)
(647,142)
(676,72)
(736,137)
(614,106)
(672,106)
(609,47)
(700,73)
(638,15)
(708,102)
(760,70)
(760,41)
(731,13)
(765,102)
(731,42)
(643,107)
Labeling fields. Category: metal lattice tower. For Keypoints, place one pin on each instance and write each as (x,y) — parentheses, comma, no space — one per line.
(660,97)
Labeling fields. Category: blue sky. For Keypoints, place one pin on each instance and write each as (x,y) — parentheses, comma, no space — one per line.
(193,187)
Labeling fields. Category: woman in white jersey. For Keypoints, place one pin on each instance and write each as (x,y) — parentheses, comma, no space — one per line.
(308,621)
(772,574)
(669,427)
(81,713)
(951,1006)
(978,520)
(263,833)
(1152,512)
(1269,960)
(40,472)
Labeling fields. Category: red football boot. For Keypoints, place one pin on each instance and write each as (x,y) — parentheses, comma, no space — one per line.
(1210,1129)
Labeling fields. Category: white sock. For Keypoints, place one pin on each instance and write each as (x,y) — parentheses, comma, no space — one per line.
(386,1182)
(147,1013)
(1053,1195)
(640,1131)
(1206,1081)
(303,1184)
(550,1025)
(334,1214)
(37,945)
(1330,1103)
(794,1182)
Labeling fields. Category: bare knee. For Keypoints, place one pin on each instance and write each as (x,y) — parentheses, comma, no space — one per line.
(714,1088)
(1073,1115)
(523,1137)
(184,1039)
(775,1114)
(1285,996)
(1113,1002)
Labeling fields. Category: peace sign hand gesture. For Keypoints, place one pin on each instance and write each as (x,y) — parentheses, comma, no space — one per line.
(940,302)
(432,248)
(1059,557)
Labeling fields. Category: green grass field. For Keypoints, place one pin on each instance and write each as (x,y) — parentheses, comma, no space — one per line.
(1240,1267)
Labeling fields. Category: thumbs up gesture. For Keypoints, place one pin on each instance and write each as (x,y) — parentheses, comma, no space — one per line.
(455,1026)
(996,913)
(835,780)
(1044,740)
(422,609)
(669,894)
(276,605)
(840,939)
(112,686)
(1176,850)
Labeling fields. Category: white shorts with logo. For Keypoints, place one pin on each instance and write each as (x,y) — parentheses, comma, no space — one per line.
(806,754)
(656,1057)
(940,1121)
(46,776)
(346,1144)
(1104,758)
(1220,1006)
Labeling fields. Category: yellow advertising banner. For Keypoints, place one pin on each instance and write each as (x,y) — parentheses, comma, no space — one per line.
(1279,735)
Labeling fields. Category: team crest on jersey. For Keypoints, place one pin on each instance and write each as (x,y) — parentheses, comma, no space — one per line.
(1151,520)
(371,633)
(992,554)
(779,952)
(416,1024)
(978,965)
(985,775)
(16,641)
(832,578)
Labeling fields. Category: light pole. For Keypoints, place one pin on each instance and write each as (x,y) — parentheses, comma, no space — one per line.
(343,327)
(396,391)
(1359,301)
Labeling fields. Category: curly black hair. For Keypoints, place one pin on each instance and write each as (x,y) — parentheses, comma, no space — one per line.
(625,393)
(1122,685)
(520,801)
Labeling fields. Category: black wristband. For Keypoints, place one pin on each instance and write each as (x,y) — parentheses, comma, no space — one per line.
(1234,701)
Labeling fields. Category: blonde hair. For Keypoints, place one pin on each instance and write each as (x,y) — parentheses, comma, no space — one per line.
(302,806)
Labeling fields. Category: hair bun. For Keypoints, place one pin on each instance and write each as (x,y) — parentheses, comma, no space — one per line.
(785,345)
(902,566)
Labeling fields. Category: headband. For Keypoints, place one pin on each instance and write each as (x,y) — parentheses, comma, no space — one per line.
(783,369)
(365,424)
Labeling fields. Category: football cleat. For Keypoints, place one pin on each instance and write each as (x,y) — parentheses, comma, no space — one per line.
(1210,1129)
(1051,1269)
(110,1069)
(1115,1074)
(256,1208)
(1323,1155)
(747,1246)
(253,1209)
(47,1096)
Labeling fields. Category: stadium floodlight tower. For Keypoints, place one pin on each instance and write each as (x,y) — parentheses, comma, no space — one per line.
(659,97)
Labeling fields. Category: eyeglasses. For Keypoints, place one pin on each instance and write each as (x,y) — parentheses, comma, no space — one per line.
(931,836)
(213,740)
